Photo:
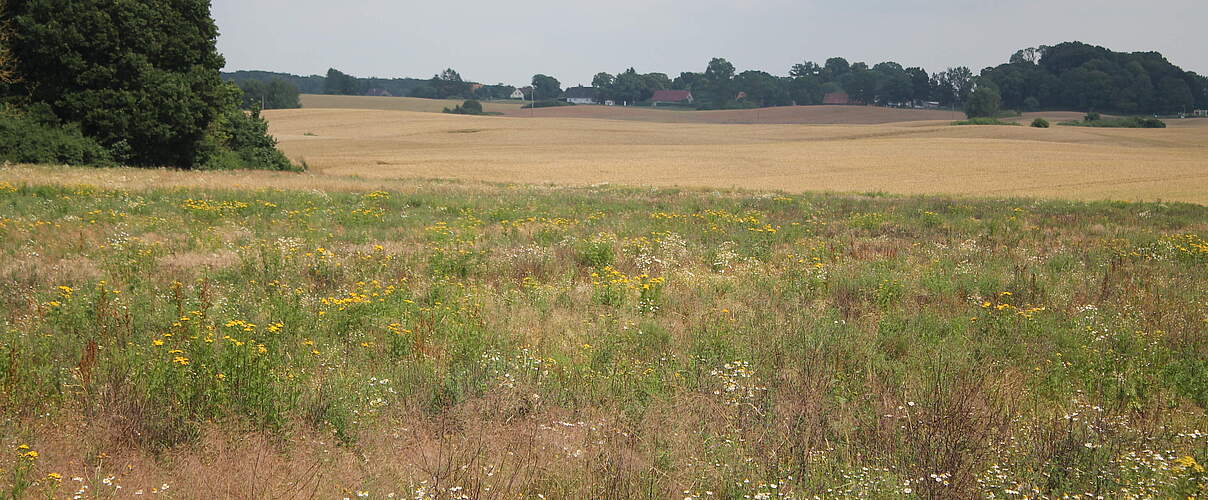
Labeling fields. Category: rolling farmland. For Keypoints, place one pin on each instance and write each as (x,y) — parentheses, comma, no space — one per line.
(915,157)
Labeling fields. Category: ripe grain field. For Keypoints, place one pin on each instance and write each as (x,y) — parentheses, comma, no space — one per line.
(276,335)
(917,157)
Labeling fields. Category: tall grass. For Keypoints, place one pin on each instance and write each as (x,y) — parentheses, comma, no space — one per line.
(599,343)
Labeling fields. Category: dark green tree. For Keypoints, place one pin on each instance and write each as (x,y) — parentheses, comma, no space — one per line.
(718,83)
(276,94)
(449,84)
(805,90)
(920,83)
(806,68)
(546,87)
(339,83)
(762,89)
(862,85)
(139,76)
(983,102)
(834,68)
(604,84)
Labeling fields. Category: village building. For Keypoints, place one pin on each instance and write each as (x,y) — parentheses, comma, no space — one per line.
(671,97)
(517,94)
(582,95)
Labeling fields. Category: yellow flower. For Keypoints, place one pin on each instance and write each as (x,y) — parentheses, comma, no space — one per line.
(181,360)
(1188,462)
(221,377)
(30,455)
(157,342)
(54,476)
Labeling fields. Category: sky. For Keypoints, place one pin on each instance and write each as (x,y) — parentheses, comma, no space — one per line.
(509,41)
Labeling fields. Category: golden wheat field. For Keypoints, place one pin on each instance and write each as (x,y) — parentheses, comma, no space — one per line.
(396,103)
(908,157)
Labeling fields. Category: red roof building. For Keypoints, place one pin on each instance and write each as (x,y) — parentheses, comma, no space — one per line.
(672,96)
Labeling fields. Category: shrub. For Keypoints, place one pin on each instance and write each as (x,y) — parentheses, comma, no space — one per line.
(469,107)
(1040,123)
(1092,117)
(1130,122)
(28,139)
(241,140)
(984,103)
(546,104)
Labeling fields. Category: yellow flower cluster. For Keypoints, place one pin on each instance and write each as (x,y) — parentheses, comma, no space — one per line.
(1001,305)
(219,207)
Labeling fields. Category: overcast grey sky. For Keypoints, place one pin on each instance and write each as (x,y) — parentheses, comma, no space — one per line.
(508,41)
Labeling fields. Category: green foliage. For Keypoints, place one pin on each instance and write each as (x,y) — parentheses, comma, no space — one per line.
(139,77)
(984,103)
(546,103)
(1040,123)
(1092,117)
(340,83)
(546,87)
(448,84)
(240,140)
(469,107)
(1075,75)
(1128,122)
(275,94)
(25,139)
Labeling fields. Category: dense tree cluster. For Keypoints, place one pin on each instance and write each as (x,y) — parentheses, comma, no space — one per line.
(629,86)
(140,78)
(887,83)
(1078,76)
(1070,75)
(273,94)
(340,83)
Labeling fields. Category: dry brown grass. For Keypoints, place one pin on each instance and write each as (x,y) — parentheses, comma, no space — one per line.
(928,157)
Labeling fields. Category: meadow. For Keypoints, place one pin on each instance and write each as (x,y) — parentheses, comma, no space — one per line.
(904,157)
(257,335)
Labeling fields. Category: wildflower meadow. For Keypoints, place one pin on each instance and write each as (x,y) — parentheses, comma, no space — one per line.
(464,340)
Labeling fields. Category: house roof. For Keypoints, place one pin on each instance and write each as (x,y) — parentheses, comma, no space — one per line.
(580,93)
(836,98)
(671,95)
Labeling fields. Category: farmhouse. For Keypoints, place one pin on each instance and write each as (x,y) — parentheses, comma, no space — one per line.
(582,95)
(840,98)
(1200,112)
(517,94)
(671,97)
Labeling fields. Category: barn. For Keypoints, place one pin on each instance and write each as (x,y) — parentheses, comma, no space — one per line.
(671,97)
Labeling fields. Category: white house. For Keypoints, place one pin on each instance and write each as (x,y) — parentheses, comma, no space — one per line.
(517,94)
(582,95)
(1201,112)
